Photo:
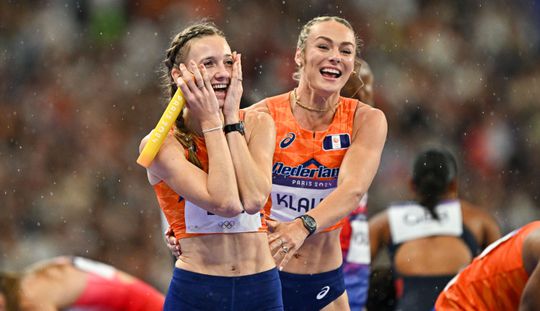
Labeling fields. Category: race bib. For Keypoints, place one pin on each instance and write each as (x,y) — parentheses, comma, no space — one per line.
(199,220)
(290,202)
(412,221)
(359,251)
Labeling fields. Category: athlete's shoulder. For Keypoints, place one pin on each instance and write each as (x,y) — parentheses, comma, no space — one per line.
(380,220)
(481,222)
(48,264)
(257,107)
(473,213)
(367,112)
(257,119)
(370,117)
(256,115)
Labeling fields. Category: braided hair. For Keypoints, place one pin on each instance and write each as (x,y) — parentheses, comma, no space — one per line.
(434,170)
(176,54)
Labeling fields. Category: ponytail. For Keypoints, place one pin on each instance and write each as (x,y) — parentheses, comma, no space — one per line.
(433,172)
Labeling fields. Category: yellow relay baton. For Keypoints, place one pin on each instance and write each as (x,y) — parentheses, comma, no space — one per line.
(162,129)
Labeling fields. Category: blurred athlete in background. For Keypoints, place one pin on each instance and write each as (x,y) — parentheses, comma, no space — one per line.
(354,233)
(506,276)
(432,237)
(76,283)
(212,177)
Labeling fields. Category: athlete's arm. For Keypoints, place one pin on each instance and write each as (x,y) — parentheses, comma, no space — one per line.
(530,300)
(252,154)
(379,233)
(358,168)
(492,232)
(252,159)
(215,191)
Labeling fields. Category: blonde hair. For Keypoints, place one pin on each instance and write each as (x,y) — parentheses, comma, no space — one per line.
(176,54)
(306,29)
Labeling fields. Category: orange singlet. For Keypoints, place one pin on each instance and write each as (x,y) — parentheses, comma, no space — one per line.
(187,219)
(494,280)
(306,163)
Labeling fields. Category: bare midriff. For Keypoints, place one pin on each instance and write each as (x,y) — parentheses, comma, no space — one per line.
(319,253)
(234,254)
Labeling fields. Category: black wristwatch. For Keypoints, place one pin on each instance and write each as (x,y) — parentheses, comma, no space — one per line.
(239,127)
(309,223)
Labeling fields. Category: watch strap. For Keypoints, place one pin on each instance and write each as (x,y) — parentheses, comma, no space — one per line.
(239,127)
(309,223)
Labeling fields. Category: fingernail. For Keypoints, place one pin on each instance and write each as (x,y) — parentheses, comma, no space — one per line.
(280,268)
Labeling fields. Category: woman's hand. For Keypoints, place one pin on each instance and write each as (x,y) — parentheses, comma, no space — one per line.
(199,94)
(234,92)
(172,243)
(285,239)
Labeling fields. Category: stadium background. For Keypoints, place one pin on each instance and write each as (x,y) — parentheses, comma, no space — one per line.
(80,86)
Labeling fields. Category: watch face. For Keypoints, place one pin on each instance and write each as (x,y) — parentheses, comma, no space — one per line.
(241,127)
(310,223)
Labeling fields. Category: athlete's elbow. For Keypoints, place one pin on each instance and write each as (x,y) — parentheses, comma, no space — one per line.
(229,208)
(254,205)
(356,193)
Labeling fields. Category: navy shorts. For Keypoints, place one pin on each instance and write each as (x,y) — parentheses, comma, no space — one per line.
(311,291)
(195,291)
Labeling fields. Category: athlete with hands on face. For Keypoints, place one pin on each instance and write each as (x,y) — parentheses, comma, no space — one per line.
(212,177)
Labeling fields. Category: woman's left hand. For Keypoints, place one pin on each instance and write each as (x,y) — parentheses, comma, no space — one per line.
(234,92)
(285,240)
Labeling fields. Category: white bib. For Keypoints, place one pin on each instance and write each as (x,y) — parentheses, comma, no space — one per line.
(291,202)
(359,251)
(199,220)
(411,221)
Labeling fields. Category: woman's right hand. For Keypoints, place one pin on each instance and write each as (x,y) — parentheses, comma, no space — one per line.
(199,94)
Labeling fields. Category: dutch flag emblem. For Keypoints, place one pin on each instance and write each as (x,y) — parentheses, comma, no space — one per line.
(336,142)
